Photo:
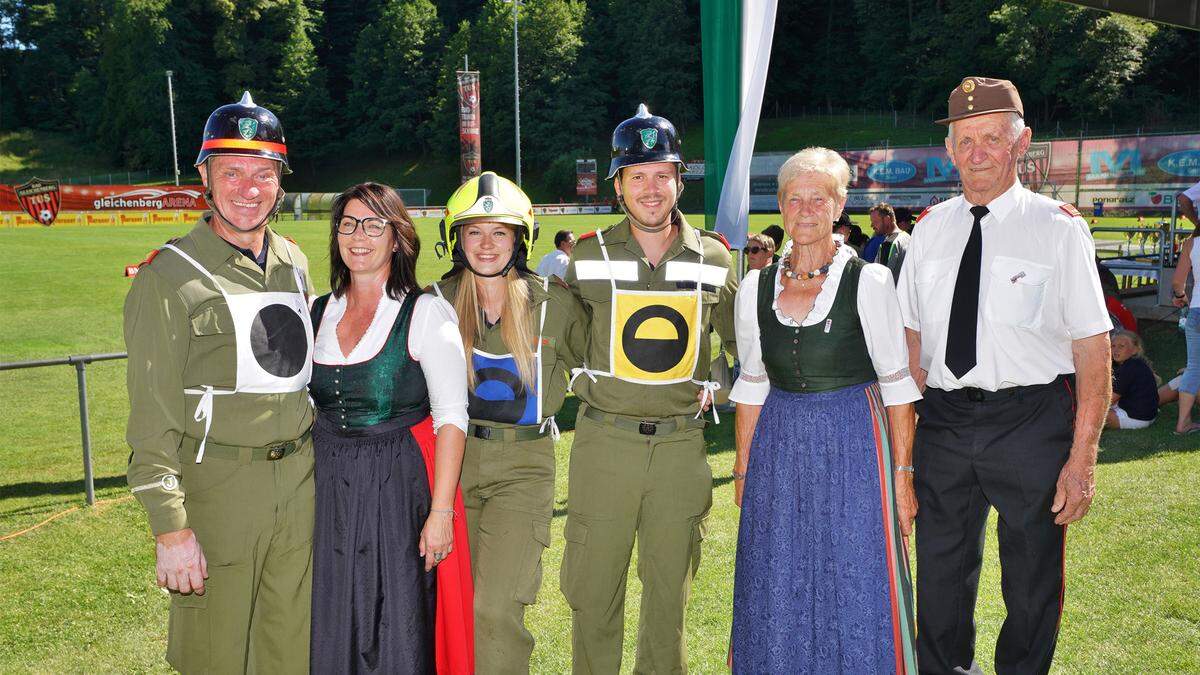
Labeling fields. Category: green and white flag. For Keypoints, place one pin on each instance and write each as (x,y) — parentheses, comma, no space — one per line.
(734,79)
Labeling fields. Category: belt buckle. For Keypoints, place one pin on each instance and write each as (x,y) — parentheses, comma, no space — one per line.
(483,433)
(975,395)
(647,428)
(276,451)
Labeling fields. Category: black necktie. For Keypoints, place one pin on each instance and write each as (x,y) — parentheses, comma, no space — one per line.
(964,308)
(885,252)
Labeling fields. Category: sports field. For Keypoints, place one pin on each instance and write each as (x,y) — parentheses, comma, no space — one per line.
(78,594)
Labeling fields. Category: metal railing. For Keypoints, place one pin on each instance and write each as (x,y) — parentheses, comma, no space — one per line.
(80,363)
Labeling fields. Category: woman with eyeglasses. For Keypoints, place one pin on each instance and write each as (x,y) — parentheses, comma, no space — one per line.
(389,383)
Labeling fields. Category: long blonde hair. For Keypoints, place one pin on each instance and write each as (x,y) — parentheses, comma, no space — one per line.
(515,327)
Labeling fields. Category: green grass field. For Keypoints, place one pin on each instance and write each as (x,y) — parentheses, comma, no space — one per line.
(78,594)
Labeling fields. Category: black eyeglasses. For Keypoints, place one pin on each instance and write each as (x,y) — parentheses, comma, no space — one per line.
(372,225)
(756,249)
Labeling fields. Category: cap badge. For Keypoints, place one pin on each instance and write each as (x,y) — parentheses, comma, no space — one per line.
(488,205)
(968,86)
(247,127)
(649,137)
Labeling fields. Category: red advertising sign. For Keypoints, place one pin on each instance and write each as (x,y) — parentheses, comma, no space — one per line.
(112,197)
(469,136)
(585,177)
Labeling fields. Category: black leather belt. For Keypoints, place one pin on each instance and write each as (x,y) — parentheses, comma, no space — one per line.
(976,395)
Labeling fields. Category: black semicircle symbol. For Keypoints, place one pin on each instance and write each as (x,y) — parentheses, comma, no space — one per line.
(278,340)
(508,411)
(650,354)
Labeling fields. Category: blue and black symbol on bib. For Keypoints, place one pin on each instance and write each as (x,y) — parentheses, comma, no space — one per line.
(499,394)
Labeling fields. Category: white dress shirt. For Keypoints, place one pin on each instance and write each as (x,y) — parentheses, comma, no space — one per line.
(878,312)
(433,341)
(1038,290)
(555,262)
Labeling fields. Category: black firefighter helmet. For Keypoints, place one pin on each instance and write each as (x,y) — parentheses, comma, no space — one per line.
(644,139)
(246,129)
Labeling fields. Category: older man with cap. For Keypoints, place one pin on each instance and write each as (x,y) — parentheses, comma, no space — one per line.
(1005,319)
(220,352)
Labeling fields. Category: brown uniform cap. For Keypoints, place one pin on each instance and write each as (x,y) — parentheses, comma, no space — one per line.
(982,95)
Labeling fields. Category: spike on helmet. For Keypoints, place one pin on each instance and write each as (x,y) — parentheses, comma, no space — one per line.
(493,198)
(244,129)
(644,139)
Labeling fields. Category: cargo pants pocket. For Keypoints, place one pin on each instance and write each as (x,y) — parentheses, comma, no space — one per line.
(209,633)
(572,573)
(530,579)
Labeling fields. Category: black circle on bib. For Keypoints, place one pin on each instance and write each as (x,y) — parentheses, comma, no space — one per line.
(654,355)
(278,340)
(508,411)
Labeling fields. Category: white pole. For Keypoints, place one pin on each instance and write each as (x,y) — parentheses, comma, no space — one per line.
(174,144)
(516,92)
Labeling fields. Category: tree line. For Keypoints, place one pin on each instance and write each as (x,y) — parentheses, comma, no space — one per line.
(355,76)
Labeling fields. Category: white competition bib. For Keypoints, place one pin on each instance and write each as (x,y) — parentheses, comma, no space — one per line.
(274,337)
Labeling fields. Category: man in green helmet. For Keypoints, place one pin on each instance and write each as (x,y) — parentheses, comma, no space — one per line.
(220,351)
(653,286)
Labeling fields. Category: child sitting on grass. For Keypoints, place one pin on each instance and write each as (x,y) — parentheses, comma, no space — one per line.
(1135,389)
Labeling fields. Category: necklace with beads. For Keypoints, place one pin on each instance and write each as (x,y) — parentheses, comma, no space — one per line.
(806,276)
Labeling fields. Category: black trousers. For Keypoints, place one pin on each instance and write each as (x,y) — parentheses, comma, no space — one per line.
(975,449)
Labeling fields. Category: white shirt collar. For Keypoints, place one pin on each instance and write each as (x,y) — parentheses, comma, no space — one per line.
(824,300)
(1000,207)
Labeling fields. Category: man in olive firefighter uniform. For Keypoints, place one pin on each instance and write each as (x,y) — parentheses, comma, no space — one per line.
(220,349)
(652,286)
(508,466)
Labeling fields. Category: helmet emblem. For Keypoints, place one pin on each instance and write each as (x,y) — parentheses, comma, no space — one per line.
(649,137)
(488,205)
(247,127)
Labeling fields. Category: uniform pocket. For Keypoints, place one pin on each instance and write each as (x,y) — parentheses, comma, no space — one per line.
(195,618)
(935,287)
(212,318)
(1016,292)
(530,579)
(573,573)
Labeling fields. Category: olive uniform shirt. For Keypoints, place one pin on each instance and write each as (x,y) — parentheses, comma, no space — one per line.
(564,338)
(179,334)
(587,276)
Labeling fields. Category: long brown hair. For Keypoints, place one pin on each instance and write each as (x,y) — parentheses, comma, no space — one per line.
(386,203)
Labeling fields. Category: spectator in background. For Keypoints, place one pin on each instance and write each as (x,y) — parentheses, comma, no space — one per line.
(1135,391)
(904,219)
(760,251)
(883,221)
(1191,329)
(555,262)
(894,243)
(1186,201)
(775,232)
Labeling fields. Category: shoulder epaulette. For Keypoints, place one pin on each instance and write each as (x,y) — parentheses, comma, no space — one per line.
(1070,210)
(718,236)
(555,279)
(152,254)
(587,235)
(923,214)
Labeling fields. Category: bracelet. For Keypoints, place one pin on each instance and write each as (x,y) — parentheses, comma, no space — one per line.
(905,467)
(739,476)
(450,511)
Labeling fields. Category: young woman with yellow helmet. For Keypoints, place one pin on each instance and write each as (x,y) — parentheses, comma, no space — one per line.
(522,334)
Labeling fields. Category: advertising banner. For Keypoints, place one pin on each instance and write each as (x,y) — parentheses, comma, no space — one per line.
(1133,172)
(48,198)
(585,177)
(469,137)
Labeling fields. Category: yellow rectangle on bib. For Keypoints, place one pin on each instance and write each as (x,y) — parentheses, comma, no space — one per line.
(654,336)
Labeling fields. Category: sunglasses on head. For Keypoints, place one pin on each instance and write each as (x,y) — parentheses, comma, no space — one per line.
(756,249)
